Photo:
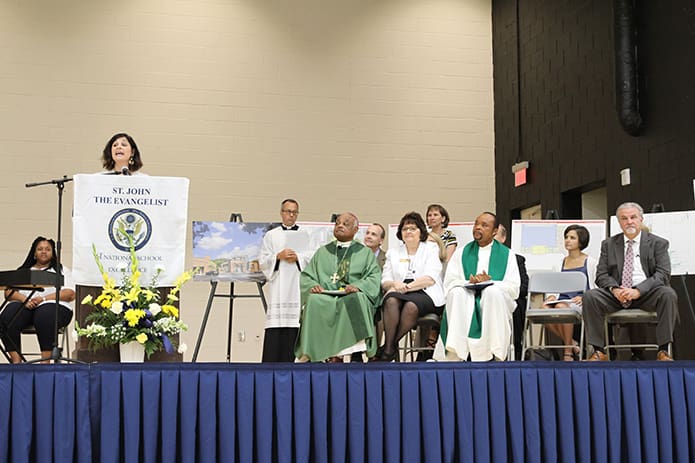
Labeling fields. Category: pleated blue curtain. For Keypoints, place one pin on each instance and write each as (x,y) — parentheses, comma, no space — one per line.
(355,413)
(526,412)
(44,414)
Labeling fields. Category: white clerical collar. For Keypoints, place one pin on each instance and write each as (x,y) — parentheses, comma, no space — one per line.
(343,244)
(488,246)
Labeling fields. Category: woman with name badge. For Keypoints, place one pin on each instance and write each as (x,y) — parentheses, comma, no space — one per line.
(411,281)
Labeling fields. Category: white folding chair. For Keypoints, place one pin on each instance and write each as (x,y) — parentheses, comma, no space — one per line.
(548,283)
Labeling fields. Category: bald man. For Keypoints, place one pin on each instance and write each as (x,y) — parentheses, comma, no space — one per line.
(340,291)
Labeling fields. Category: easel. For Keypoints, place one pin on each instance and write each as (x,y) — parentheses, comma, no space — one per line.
(235,217)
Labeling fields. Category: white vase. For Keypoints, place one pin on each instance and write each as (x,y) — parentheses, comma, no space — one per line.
(131,352)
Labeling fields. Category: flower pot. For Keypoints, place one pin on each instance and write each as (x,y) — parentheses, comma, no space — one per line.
(132,352)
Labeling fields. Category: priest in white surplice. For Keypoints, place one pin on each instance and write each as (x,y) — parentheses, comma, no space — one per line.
(282,265)
(477,320)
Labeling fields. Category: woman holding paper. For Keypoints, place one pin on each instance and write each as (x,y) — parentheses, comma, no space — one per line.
(411,281)
(576,240)
(26,308)
(121,155)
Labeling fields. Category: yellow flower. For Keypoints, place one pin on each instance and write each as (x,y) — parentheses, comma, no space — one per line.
(134,278)
(184,277)
(87,299)
(170,310)
(141,338)
(133,294)
(149,295)
(109,283)
(103,300)
(133,316)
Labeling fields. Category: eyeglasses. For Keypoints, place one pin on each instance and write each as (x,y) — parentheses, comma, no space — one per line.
(287,211)
(410,229)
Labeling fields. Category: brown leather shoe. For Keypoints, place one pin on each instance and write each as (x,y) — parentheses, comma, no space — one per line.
(597,356)
(663,356)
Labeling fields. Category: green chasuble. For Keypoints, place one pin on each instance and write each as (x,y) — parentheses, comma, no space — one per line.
(330,324)
(496,269)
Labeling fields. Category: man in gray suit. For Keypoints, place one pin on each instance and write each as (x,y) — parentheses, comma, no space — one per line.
(633,272)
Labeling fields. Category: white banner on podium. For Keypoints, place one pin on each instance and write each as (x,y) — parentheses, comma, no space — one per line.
(107,208)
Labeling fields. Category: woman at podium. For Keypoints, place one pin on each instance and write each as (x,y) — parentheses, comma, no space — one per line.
(121,156)
(25,309)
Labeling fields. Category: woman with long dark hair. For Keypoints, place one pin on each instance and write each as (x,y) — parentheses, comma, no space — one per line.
(39,310)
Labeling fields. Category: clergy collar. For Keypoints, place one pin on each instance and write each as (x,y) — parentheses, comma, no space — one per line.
(293,227)
(489,245)
(342,244)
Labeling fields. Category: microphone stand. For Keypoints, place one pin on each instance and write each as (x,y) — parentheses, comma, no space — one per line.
(56,352)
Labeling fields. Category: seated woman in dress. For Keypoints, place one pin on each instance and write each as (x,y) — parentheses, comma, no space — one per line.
(576,240)
(39,310)
(411,281)
(121,155)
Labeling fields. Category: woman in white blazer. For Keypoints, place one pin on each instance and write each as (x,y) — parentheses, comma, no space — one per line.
(411,281)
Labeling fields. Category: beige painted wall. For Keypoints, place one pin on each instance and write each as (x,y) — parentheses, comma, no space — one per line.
(378,107)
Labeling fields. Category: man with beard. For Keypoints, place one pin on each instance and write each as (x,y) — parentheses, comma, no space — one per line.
(633,272)
(481,285)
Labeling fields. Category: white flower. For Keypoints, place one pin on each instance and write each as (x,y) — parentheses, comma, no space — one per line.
(75,336)
(155,308)
(116,307)
(182,348)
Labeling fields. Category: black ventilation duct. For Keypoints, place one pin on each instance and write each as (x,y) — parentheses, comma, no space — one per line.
(626,82)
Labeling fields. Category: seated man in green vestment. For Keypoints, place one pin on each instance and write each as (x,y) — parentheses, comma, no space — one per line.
(481,285)
(339,293)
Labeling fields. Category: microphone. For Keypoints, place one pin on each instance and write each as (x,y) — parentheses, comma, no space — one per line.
(125,171)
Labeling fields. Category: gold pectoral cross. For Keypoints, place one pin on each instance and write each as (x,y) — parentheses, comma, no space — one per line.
(335,277)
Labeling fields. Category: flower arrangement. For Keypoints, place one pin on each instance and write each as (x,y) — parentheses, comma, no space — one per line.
(132,312)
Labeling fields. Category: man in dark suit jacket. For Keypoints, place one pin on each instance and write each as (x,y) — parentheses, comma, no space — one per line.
(373,239)
(519,315)
(646,286)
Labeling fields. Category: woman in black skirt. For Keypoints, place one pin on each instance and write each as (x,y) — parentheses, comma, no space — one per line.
(411,281)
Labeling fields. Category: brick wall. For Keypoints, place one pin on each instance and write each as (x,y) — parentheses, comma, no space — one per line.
(569,128)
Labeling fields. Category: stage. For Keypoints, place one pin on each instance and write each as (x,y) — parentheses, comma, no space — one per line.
(517,411)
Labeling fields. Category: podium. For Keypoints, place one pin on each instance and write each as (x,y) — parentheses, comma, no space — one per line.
(108,212)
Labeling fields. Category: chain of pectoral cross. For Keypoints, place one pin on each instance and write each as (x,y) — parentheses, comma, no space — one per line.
(335,278)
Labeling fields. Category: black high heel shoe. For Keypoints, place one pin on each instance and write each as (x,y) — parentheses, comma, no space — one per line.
(385,357)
